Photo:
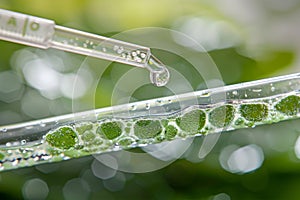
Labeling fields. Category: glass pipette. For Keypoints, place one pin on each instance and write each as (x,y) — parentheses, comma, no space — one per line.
(43,33)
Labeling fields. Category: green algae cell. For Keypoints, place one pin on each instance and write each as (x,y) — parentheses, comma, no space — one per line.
(75,153)
(93,146)
(192,122)
(88,136)
(63,138)
(145,129)
(164,122)
(170,132)
(54,151)
(254,112)
(2,156)
(125,142)
(289,105)
(84,127)
(222,116)
(110,130)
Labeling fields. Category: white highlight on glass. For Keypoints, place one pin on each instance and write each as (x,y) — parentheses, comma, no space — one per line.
(297,147)
(241,159)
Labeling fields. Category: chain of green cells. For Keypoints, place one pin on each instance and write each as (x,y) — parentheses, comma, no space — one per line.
(86,138)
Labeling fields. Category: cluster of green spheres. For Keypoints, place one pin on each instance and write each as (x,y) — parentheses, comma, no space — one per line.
(143,131)
(86,138)
(104,136)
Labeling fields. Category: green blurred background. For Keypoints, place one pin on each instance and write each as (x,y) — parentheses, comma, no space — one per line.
(247,40)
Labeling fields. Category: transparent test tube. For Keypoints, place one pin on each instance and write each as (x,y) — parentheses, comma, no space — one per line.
(43,33)
(268,92)
(138,124)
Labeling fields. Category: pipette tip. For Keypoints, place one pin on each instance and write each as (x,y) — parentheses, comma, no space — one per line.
(159,73)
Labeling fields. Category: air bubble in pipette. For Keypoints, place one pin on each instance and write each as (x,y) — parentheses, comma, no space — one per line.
(272,89)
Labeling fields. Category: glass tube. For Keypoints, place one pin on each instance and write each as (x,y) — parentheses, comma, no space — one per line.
(153,121)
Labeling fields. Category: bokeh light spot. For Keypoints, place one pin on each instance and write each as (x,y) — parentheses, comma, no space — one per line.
(102,171)
(241,159)
(11,86)
(115,183)
(35,189)
(76,188)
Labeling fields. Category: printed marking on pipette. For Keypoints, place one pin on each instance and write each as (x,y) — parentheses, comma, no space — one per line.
(24,27)
(12,21)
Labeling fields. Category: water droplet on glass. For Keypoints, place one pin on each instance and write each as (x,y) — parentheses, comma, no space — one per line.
(28,127)
(133,107)
(133,53)
(143,55)
(42,124)
(116,47)
(270,101)
(239,122)
(119,51)
(256,90)
(147,106)
(15,162)
(159,74)
(159,79)
(272,89)
(4,130)
(23,150)
(16,143)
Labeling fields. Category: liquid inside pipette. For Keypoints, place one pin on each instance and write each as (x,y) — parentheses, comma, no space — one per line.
(110,49)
